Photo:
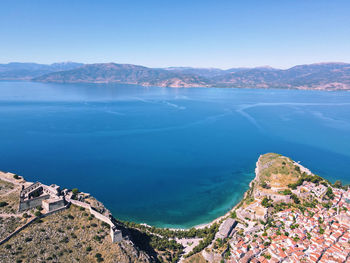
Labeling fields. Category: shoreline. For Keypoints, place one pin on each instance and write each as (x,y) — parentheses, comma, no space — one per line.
(235,206)
(199,226)
(227,214)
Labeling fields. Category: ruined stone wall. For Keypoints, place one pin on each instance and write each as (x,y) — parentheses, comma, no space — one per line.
(32,203)
(116,235)
(92,211)
(53,205)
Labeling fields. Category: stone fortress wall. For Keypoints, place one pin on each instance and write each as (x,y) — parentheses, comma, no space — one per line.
(116,235)
(52,199)
(32,203)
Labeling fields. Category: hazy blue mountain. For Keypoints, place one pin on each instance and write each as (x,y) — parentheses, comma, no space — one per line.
(204,72)
(27,71)
(125,73)
(323,76)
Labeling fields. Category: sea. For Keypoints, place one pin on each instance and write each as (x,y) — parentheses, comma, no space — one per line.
(168,157)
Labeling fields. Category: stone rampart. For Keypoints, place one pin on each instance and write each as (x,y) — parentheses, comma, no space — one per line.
(92,211)
(32,203)
(30,188)
(53,204)
(116,235)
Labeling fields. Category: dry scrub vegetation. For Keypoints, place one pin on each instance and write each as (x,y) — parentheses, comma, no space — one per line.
(72,235)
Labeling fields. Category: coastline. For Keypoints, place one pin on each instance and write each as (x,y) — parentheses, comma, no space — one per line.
(257,170)
(203,225)
(199,226)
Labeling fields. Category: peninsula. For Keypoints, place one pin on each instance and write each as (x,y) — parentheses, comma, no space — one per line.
(288,214)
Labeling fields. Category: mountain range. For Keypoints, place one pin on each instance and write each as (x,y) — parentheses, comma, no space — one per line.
(28,71)
(320,76)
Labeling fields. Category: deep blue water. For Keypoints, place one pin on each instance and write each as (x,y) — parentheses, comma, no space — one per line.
(167,157)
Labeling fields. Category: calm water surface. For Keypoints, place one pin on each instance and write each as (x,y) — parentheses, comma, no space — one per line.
(167,157)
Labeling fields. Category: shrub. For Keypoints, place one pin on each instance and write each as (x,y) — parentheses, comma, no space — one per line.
(338,184)
(75,191)
(2,204)
(97,238)
(28,239)
(327,205)
(25,215)
(104,224)
(16,177)
(265,185)
(267,256)
(88,249)
(37,213)
(295,198)
(287,192)
(234,214)
(98,255)
(70,216)
(266,202)
(8,246)
(324,183)
(65,240)
(330,193)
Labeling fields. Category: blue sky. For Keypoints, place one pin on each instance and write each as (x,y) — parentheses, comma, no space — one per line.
(164,33)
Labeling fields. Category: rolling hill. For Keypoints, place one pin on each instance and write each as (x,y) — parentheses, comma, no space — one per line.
(125,73)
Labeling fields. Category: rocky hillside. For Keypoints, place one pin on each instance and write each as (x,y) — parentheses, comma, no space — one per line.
(69,236)
(72,234)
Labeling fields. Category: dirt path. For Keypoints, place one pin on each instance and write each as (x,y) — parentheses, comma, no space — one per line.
(10,215)
(9,192)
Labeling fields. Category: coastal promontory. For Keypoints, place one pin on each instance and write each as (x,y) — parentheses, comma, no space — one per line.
(288,214)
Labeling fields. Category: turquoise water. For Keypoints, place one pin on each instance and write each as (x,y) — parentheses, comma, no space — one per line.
(167,157)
